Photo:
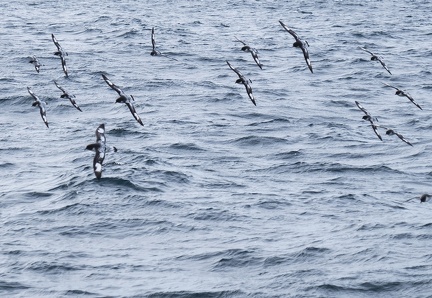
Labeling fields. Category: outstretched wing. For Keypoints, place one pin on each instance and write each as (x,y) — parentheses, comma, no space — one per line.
(384,65)
(153,39)
(402,138)
(306,57)
(235,70)
(100,151)
(290,31)
(372,54)
(42,110)
(392,86)
(254,54)
(133,112)
(59,48)
(32,94)
(112,85)
(361,108)
(58,86)
(240,41)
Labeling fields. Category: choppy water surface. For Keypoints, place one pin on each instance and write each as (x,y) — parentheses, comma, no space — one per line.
(215,197)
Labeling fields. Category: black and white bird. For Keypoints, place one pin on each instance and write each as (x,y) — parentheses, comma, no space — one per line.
(124,98)
(423,198)
(68,96)
(253,51)
(99,148)
(41,104)
(61,53)
(368,117)
(299,44)
(377,58)
(400,92)
(392,132)
(36,63)
(155,52)
(244,81)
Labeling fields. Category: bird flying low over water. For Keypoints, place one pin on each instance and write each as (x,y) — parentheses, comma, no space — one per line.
(377,58)
(68,96)
(423,198)
(124,99)
(61,53)
(36,63)
(368,117)
(155,52)
(299,44)
(400,92)
(391,132)
(100,148)
(251,50)
(244,81)
(41,104)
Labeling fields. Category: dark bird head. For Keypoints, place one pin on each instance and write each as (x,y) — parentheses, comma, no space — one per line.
(399,92)
(366,117)
(374,58)
(245,48)
(424,197)
(92,147)
(239,81)
(297,44)
(390,132)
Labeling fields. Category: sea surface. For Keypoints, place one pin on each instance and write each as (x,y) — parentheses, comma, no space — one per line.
(213,196)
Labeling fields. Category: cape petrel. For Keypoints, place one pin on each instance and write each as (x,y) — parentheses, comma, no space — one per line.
(124,98)
(155,52)
(244,81)
(36,63)
(368,117)
(400,92)
(100,148)
(61,53)
(68,96)
(377,58)
(41,104)
(253,51)
(299,44)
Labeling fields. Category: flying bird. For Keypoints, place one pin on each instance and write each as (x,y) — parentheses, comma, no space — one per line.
(100,148)
(423,198)
(251,50)
(68,96)
(244,81)
(124,99)
(41,104)
(36,63)
(391,132)
(155,52)
(368,117)
(400,92)
(61,53)
(299,44)
(377,58)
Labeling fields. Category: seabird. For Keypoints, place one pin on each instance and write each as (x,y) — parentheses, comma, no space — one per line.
(299,44)
(100,148)
(377,58)
(68,96)
(155,52)
(41,104)
(368,117)
(251,50)
(391,132)
(423,198)
(244,81)
(61,53)
(124,99)
(400,92)
(36,63)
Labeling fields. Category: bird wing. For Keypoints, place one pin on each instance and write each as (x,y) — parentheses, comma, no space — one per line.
(402,138)
(112,85)
(306,57)
(133,112)
(392,86)
(235,70)
(254,54)
(240,41)
(59,48)
(361,108)
(32,94)
(372,54)
(153,39)
(58,86)
(290,31)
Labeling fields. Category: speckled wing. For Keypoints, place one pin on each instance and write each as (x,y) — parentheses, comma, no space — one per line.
(153,39)
(113,86)
(290,31)
(235,70)
(133,111)
(99,151)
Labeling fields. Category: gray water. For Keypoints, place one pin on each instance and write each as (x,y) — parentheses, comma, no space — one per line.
(214,197)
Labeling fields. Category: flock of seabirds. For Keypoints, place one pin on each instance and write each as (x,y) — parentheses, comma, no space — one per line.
(100,147)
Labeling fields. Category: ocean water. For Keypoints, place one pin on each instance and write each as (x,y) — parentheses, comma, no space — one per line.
(213,196)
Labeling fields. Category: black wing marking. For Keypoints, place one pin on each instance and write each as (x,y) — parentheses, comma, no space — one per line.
(112,85)
(403,93)
(392,132)
(70,97)
(41,105)
(100,149)
(372,54)
(133,111)
(302,44)
(235,70)
(243,81)
(369,118)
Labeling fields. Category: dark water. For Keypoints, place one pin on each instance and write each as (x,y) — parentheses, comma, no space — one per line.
(215,197)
